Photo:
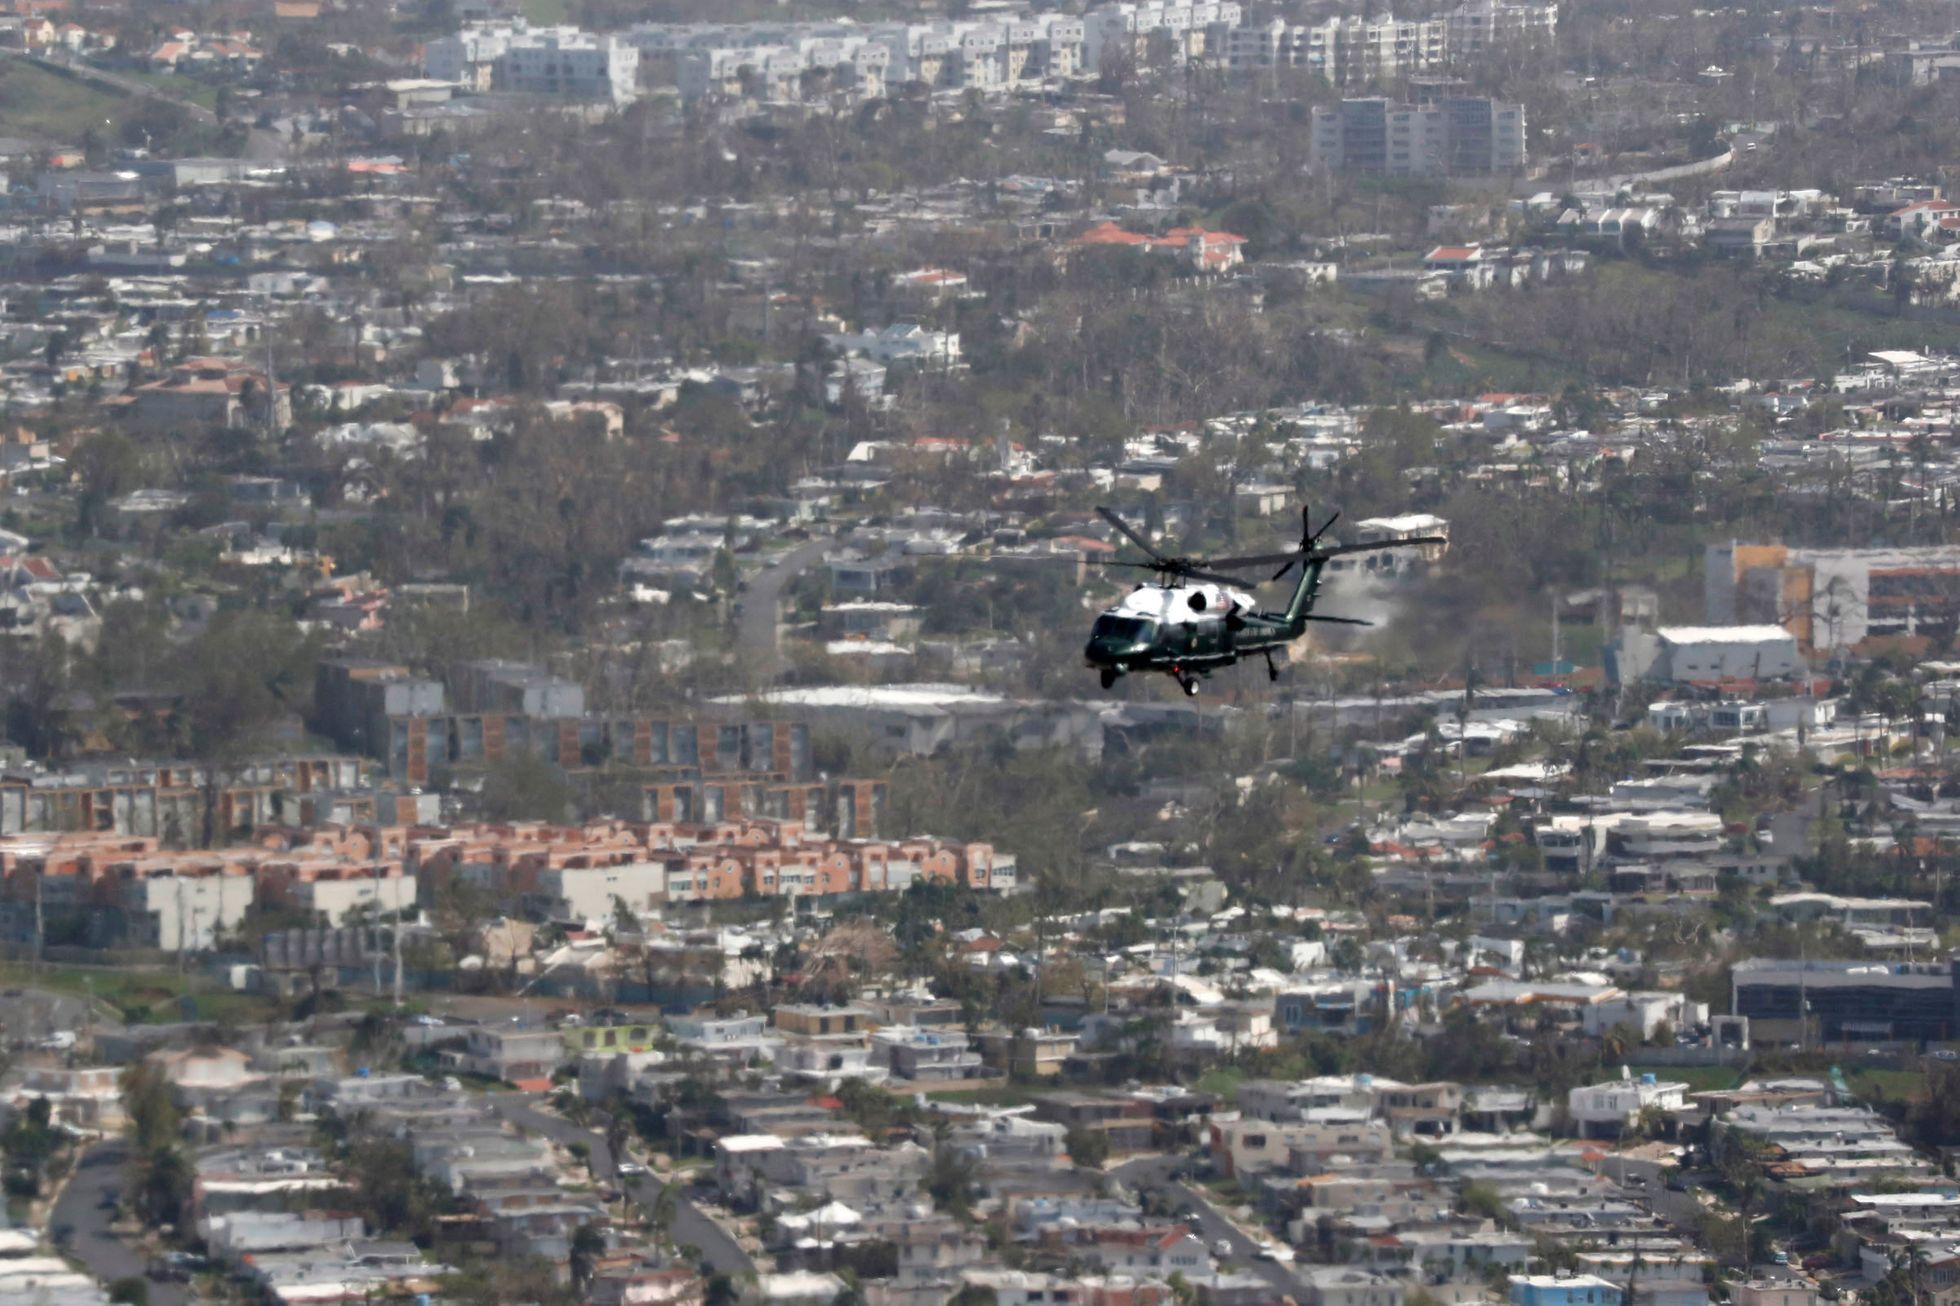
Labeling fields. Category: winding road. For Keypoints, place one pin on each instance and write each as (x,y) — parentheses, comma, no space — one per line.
(690,1225)
(756,629)
(85,1210)
(1153,1174)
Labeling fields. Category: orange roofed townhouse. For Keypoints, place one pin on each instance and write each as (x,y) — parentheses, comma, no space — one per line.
(208,392)
(1193,247)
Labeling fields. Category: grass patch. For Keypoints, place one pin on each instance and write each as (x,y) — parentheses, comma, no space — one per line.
(179,87)
(1699,1079)
(1221,1081)
(44,105)
(142,996)
(547,11)
(1872,1084)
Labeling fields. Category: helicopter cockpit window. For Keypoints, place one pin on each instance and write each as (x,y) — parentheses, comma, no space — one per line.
(1129,630)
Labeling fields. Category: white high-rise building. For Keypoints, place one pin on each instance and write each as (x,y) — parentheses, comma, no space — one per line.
(559,62)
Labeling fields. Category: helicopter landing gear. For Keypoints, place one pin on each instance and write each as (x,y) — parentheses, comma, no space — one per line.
(1272,670)
(1190,684)
(1109,675)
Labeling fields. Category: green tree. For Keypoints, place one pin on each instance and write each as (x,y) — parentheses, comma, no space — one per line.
(1088,1148)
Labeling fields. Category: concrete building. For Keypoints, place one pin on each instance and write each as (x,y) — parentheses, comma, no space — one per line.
(182,911)
(555,62)
(1603,1110)
(588,893)
(1845,1001)
(1832,600)
(1705,655)
(1563,1290)
(1454,136)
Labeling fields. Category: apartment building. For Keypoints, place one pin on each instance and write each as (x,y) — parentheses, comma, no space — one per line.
(556,62)
(1354,52)
(1449,136)
(1474,29)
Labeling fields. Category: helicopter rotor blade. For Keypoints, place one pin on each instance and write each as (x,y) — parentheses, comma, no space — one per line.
(1324,528)
(1307,537)
(1216,578)
(1339,549)
(1254,560)
(1129,532)
(1340,621)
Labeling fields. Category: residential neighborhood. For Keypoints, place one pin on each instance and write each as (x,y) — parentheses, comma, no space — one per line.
(559,737)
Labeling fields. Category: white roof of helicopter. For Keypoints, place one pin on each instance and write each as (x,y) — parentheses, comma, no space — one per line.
(1171,605)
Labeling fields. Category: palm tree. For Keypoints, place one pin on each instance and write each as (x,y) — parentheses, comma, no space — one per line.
(588,1245)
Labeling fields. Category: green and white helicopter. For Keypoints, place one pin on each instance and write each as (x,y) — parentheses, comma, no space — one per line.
(1193,619)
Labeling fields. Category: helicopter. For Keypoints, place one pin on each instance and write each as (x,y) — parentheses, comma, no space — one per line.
(1194,619)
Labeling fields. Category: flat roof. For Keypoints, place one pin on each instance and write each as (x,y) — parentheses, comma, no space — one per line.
(1723,634)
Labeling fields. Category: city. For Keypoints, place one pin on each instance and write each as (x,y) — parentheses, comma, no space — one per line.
(559,564)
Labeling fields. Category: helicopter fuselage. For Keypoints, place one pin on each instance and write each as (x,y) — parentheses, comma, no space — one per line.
(1187,630)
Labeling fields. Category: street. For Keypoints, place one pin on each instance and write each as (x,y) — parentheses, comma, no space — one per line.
(1152,1174)
(690,1225)
(86,1208)
(756,630)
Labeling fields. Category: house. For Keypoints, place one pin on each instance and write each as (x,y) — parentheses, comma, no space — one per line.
(1563,1290)
(933,1055)
(210,392)
(1764,1290)
(1603,1110)
(1743,236)
(525,1058)
(901,344)
(1468,266)
(1343,1285)
(1914,220)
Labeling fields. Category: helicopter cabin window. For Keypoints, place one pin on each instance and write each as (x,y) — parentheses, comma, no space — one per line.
(1128,629)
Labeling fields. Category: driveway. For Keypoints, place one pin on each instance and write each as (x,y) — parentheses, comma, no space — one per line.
(82,1208)
(1152,1174)
(690,1226)
(756,630)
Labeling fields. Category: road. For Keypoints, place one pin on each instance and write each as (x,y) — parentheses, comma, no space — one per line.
(1152,1174)
(756,629)
(86,1209)
(29,1015)
(690,1225)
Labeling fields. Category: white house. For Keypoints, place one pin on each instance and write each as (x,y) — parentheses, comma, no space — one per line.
(1605,1109)
(903,343)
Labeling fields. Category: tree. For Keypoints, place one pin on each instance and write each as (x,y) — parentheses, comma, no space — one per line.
(152,1116)
(1087,1147)
(588,1245)
(106,465)
(526,787)
(951,1180)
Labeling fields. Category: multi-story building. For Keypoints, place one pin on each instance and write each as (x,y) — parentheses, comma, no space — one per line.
(1834,599)
(515,57)
(929,1055)
(175,910)
(1450,136)
(1603,1110)
(1164,32)
(1474,29)
(783,61)
(1845,1001)
(1563,1290)
(1354,52)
